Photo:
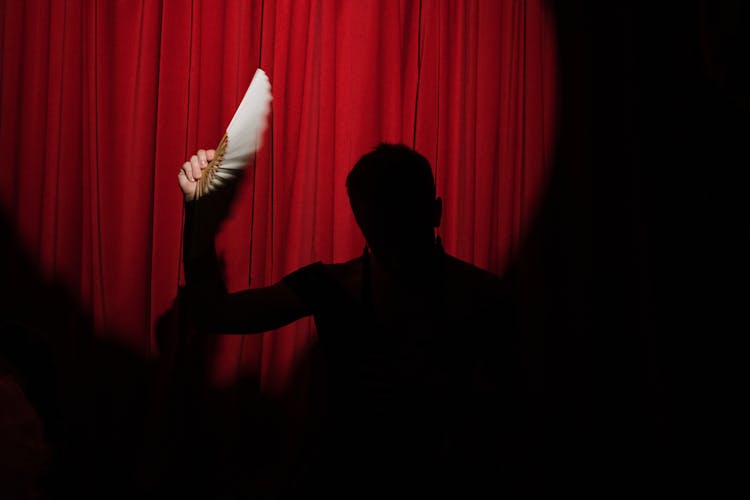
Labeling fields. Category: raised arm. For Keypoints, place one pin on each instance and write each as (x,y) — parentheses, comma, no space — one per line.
(212,309)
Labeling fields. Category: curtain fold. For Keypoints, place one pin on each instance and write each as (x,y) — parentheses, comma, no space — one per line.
(102,102)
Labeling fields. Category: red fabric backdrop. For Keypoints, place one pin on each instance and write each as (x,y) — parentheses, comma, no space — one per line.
(103,100)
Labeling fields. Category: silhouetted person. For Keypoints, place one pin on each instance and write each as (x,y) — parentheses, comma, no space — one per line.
(416,345)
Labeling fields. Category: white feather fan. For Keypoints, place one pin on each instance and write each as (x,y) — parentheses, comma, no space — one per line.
(243,137)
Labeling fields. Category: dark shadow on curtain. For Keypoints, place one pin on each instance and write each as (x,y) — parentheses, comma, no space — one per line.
(631,281)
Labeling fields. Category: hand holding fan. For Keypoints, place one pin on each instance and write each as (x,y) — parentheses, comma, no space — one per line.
(243,137)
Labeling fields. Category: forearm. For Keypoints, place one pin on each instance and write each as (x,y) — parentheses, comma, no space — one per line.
(199,231)
(204,282)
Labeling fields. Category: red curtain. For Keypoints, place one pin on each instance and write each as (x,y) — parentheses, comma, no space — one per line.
(103,100)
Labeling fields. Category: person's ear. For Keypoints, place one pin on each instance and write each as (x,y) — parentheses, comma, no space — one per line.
(438,212)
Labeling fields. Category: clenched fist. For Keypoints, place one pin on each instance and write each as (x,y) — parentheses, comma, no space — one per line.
(191,171)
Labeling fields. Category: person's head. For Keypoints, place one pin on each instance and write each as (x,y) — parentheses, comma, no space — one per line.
(392,194)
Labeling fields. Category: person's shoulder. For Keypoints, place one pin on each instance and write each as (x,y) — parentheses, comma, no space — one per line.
(482,297)
(476,284)
(320,282)
(470,274)
(348,273)
(340,271)
(345,270)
